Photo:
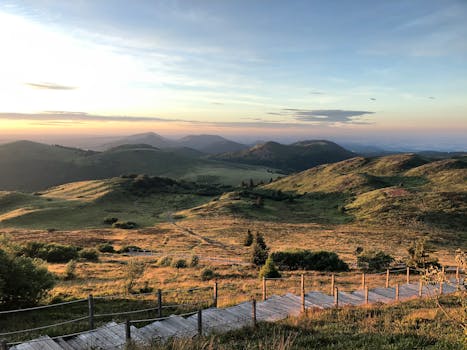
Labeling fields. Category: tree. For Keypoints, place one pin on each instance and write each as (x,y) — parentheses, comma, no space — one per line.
(259,250)
(419,256)
(259,239)
(269,269)
(23,281)
(248,239)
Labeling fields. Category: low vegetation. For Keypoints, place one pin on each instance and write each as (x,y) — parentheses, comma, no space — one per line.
(301,259)
(23,281)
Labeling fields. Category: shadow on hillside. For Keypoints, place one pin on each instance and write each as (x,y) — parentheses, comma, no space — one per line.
(317,207)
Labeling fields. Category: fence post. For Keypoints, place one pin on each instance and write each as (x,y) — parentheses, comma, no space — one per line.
(200,323)
(303,293)
(127,332)
(366,295)
(159,303)
(408,275)
(3,344)
(457,273)
(264,289)
(420,288)
(215,293)
(397,292)
(363,280)
(253,312)
(333,282)
(387,278)
(441,287)
(336,297)
(91,311)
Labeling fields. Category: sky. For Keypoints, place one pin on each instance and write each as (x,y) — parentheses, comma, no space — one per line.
(362,70)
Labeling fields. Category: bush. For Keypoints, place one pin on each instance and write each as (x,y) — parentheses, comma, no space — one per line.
(269,270)
(194,261)
(106,248)
(89,254)
(208,274)
(129,248)
(53,253)
(179,264)
(374,261)
(23,281)
(164,261)
(110,221)
(70,270)
(302,259)
(127,225)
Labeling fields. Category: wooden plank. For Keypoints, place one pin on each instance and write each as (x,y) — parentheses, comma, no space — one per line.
(42,343)
(319,299)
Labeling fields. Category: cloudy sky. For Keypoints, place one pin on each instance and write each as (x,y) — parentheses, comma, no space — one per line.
(255,67)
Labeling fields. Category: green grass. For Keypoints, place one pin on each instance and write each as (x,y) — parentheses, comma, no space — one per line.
(76,206)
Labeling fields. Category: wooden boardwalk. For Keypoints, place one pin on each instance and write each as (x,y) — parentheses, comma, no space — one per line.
(115,335)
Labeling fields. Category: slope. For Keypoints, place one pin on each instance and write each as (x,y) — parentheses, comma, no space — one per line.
(86,204)
(400,190)
(28,166)
(295,157)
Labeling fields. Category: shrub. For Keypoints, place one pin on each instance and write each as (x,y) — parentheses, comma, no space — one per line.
(248,239)
(302,259)
(208,274)
(146,288)
(110,221)
(70,270)
(23,281)
(269,269)
(194,261)
(374,261)
(127,225)
(179,264)
(106,248)
(164,261)
(53,253)
(128,248)
(89,254)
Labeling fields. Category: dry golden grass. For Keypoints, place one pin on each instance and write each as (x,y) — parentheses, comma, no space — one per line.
(218,242)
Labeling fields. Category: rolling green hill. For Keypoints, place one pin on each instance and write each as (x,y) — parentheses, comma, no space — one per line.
(289,158)
(86,204)
(399,190)
(29,166)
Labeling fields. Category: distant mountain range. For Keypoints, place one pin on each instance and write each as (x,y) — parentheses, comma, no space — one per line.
(209,144)
(289,158)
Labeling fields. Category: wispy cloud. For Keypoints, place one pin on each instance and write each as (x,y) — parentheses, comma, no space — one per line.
(50,86)
(83,116)
(327,115)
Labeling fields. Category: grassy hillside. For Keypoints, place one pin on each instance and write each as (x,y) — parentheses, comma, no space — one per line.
(87,204)
(28,166)
(298,156)
(398,190)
